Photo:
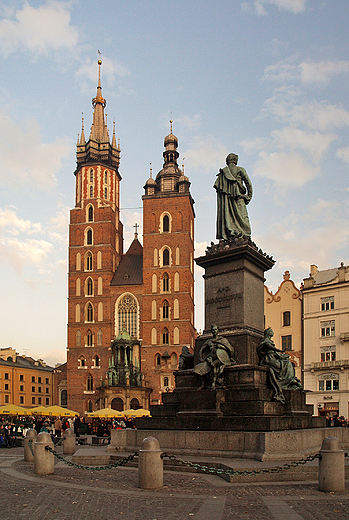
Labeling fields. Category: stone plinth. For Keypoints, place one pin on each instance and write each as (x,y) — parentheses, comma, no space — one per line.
(234,295)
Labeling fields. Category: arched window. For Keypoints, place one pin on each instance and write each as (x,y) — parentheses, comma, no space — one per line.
(78,261)
(77,312)
(96,361)
(89,383)
(99,338)
(105,193)
(166,224)
(89,313)
(78,338)
(153,310)
(177,256)
(117,404)
(81,361)
(157,360)
(89,287)
(127,314)
(286,319)
(64,398)
(91,175)
(156,257)
(100,285)
(105,177)
(165,336)
(99,260)
(134,404)
(176,336)
(89,237)
(166,283)
(88,261)
(166,256)
(91,192)
(89,338)
(154,283)
(100,311)
(89,406)
(166,381)
(176,281)
(174,360)
(165,310)
(78,287)
(90,214)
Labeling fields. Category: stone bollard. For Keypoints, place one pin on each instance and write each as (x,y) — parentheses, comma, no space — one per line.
(44,461)
(29,441)
(69,442)
(150,467)
(331,466)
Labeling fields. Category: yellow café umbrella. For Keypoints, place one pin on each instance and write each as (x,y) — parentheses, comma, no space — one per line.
(141,412)
(59,410)
(106,412)
(13,409)
(37,410)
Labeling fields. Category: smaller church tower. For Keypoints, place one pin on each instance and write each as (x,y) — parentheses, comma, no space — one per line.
(168,272)
(95,249)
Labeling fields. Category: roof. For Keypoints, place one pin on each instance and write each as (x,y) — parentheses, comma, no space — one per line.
(130,268)
(321,277)
(26,362)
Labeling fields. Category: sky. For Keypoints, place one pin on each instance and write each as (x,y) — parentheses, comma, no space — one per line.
(266,79)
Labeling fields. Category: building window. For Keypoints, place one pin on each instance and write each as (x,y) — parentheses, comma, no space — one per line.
(89,237)
(153,336)
(89,406)
(81,361)
(78,338)
(165,336)
(96,361)
(286,319)
(166,224)
(327,328)
(7,399)
(33,400)
(89,383)
(134,404)
(105,177)
(47,401)
(6,386)
(166,381)
(64,398)
(89,287)
(328,353)
(89,313)
(39,400)
(127,312)
(105,193)
(33,388)
(21,377)
(165,310)
(21,399)
(33,379)
(165,283)
(91,175)
(166,256)
(39,380)
(47,390)
(91,192)
(89,338)
(39,389)
(328,382)
(158,360)
(90,214)
(99,338)
(6,376)
(21,388)
(47,381)
(89,261)
(286,342)
(327,303)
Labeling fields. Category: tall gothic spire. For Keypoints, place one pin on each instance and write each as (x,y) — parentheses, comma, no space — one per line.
(99,129)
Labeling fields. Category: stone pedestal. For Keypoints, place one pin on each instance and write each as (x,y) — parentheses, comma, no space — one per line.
(234,295)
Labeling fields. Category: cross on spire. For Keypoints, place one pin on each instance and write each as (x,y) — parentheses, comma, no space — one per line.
(136,226)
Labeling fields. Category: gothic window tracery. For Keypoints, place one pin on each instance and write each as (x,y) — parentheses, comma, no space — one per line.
(127,314)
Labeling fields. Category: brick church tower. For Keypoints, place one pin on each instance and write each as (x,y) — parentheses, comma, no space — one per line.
(129,314)
(168,272)
(95,249)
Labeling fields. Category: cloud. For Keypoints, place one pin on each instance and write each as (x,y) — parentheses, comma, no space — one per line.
(288,170)
(58,225)
(205,154)
(11,223)
(38,31)
(110,71)
(315,144)
(292,6)
(343,153)
(191,123)
(307,72)
(18,254)
(33,161)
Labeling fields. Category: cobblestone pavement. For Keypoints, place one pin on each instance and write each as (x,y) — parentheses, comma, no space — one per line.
(77,494)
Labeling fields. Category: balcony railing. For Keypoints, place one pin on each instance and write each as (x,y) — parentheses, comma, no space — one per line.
(342,363)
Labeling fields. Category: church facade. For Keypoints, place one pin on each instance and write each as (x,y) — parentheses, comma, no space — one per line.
(146,294)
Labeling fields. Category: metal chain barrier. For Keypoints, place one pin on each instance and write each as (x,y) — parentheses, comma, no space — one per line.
(30,444)
(121,462)
(220,471)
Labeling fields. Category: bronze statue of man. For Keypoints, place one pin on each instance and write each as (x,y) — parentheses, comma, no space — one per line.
(234,192)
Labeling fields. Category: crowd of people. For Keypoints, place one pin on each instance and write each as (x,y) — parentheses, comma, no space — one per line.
(337,421)
(11,429)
